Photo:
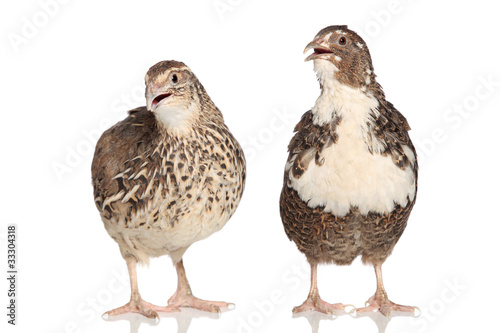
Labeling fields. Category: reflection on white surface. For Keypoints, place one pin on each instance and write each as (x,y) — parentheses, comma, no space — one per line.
(314,318)
(379,319)
(183,319)
(135,320)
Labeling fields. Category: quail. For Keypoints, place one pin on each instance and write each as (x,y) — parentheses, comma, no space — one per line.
(168,175)
(350,179)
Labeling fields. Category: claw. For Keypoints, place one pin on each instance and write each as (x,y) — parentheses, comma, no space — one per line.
(350,311)
(416,311)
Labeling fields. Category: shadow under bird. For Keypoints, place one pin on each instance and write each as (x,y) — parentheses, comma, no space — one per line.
(168,175)
(350,180)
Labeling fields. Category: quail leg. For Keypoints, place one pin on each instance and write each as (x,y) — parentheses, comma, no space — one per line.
(136,304)
(183,296)
(380,301)
(314,301)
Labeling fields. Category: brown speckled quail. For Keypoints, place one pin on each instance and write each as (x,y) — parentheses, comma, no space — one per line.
(168,175)
(351,175)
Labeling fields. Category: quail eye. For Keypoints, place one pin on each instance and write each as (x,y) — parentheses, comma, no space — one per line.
(174,79)
(342,40)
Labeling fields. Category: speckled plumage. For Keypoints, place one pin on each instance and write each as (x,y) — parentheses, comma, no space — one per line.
(167,177)
(158,185)
(351,176)
(324,237)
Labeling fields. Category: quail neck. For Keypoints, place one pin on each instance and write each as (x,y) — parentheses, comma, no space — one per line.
(175,96)
(343,66)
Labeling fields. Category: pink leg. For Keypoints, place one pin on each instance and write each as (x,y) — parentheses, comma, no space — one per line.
(183,296)
(380,302)
(314,302)
(136,304)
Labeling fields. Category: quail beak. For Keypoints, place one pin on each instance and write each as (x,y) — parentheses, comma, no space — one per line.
(153,99)
(320,48)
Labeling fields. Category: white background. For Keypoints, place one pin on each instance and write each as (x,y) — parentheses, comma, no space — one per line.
(70,69)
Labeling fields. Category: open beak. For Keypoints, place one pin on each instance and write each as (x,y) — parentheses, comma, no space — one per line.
(319,46)
(153,99)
